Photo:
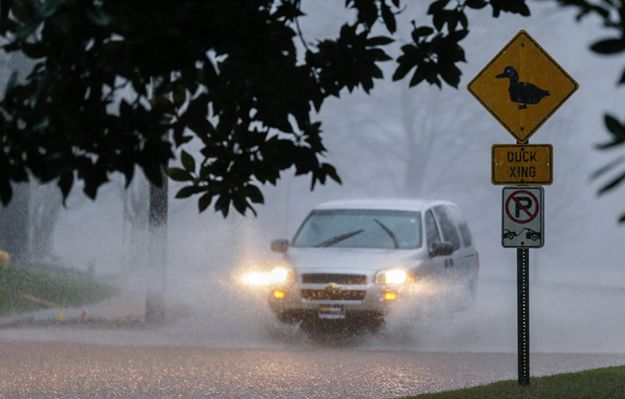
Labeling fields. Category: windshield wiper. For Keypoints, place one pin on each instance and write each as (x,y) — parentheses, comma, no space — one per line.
(389,232)
(339,238)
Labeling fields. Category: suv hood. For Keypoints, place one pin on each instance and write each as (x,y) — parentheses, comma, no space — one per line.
(346,259)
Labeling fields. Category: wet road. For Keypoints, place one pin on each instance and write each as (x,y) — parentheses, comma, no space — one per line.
(234,351)
(68,370)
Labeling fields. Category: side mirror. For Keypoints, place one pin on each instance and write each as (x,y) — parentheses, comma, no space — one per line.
(443,248)
(279,245)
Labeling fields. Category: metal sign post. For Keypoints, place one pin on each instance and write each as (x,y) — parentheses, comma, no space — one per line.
(523,314)
(523,228)
(522,86)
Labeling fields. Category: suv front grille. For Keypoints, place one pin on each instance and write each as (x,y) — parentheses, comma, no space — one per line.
(327,278)
(333,295)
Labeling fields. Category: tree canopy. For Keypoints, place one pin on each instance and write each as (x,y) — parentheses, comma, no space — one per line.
(612,15)
(117,85)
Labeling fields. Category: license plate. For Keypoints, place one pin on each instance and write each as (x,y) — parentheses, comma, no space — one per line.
(331,312)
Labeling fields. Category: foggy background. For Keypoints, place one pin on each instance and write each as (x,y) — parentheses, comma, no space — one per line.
(397,142)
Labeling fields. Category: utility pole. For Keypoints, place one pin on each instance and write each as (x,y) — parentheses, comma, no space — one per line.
(14,224)
(157,257)
(157,246)
(15,217)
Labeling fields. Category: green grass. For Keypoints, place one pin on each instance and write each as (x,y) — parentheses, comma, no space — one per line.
(32,288)
(605,383)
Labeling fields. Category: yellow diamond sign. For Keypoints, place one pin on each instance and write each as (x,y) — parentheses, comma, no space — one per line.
(522,86)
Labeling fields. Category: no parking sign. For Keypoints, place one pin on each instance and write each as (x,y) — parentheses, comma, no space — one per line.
(522,217)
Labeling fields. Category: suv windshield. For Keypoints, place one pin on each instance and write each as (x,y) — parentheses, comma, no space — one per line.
(350,228)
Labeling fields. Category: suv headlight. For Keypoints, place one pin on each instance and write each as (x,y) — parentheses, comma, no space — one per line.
(256,279)
(392,276)
(280,275)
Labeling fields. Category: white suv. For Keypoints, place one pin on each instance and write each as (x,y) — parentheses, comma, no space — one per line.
(354,259)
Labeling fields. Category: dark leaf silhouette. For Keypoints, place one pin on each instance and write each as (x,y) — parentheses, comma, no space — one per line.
(608,46)
(612,184)
(608,167)
(240,82)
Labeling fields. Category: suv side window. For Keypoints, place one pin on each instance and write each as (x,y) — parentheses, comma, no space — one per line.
(431,232)
(462,226)
(449,230)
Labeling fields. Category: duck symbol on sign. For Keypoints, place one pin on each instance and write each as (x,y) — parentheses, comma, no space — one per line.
(522,92)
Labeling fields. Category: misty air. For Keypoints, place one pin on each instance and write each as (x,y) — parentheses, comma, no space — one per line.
(312,199)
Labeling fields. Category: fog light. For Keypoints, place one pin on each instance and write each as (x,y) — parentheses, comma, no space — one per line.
(279,294)
(390,296)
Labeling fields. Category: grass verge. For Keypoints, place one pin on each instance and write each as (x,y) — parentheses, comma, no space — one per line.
(23,289)
(604,383)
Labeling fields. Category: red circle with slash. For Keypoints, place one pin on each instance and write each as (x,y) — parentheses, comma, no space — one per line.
(524,209)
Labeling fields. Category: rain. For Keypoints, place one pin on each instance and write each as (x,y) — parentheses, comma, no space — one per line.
(396,142)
